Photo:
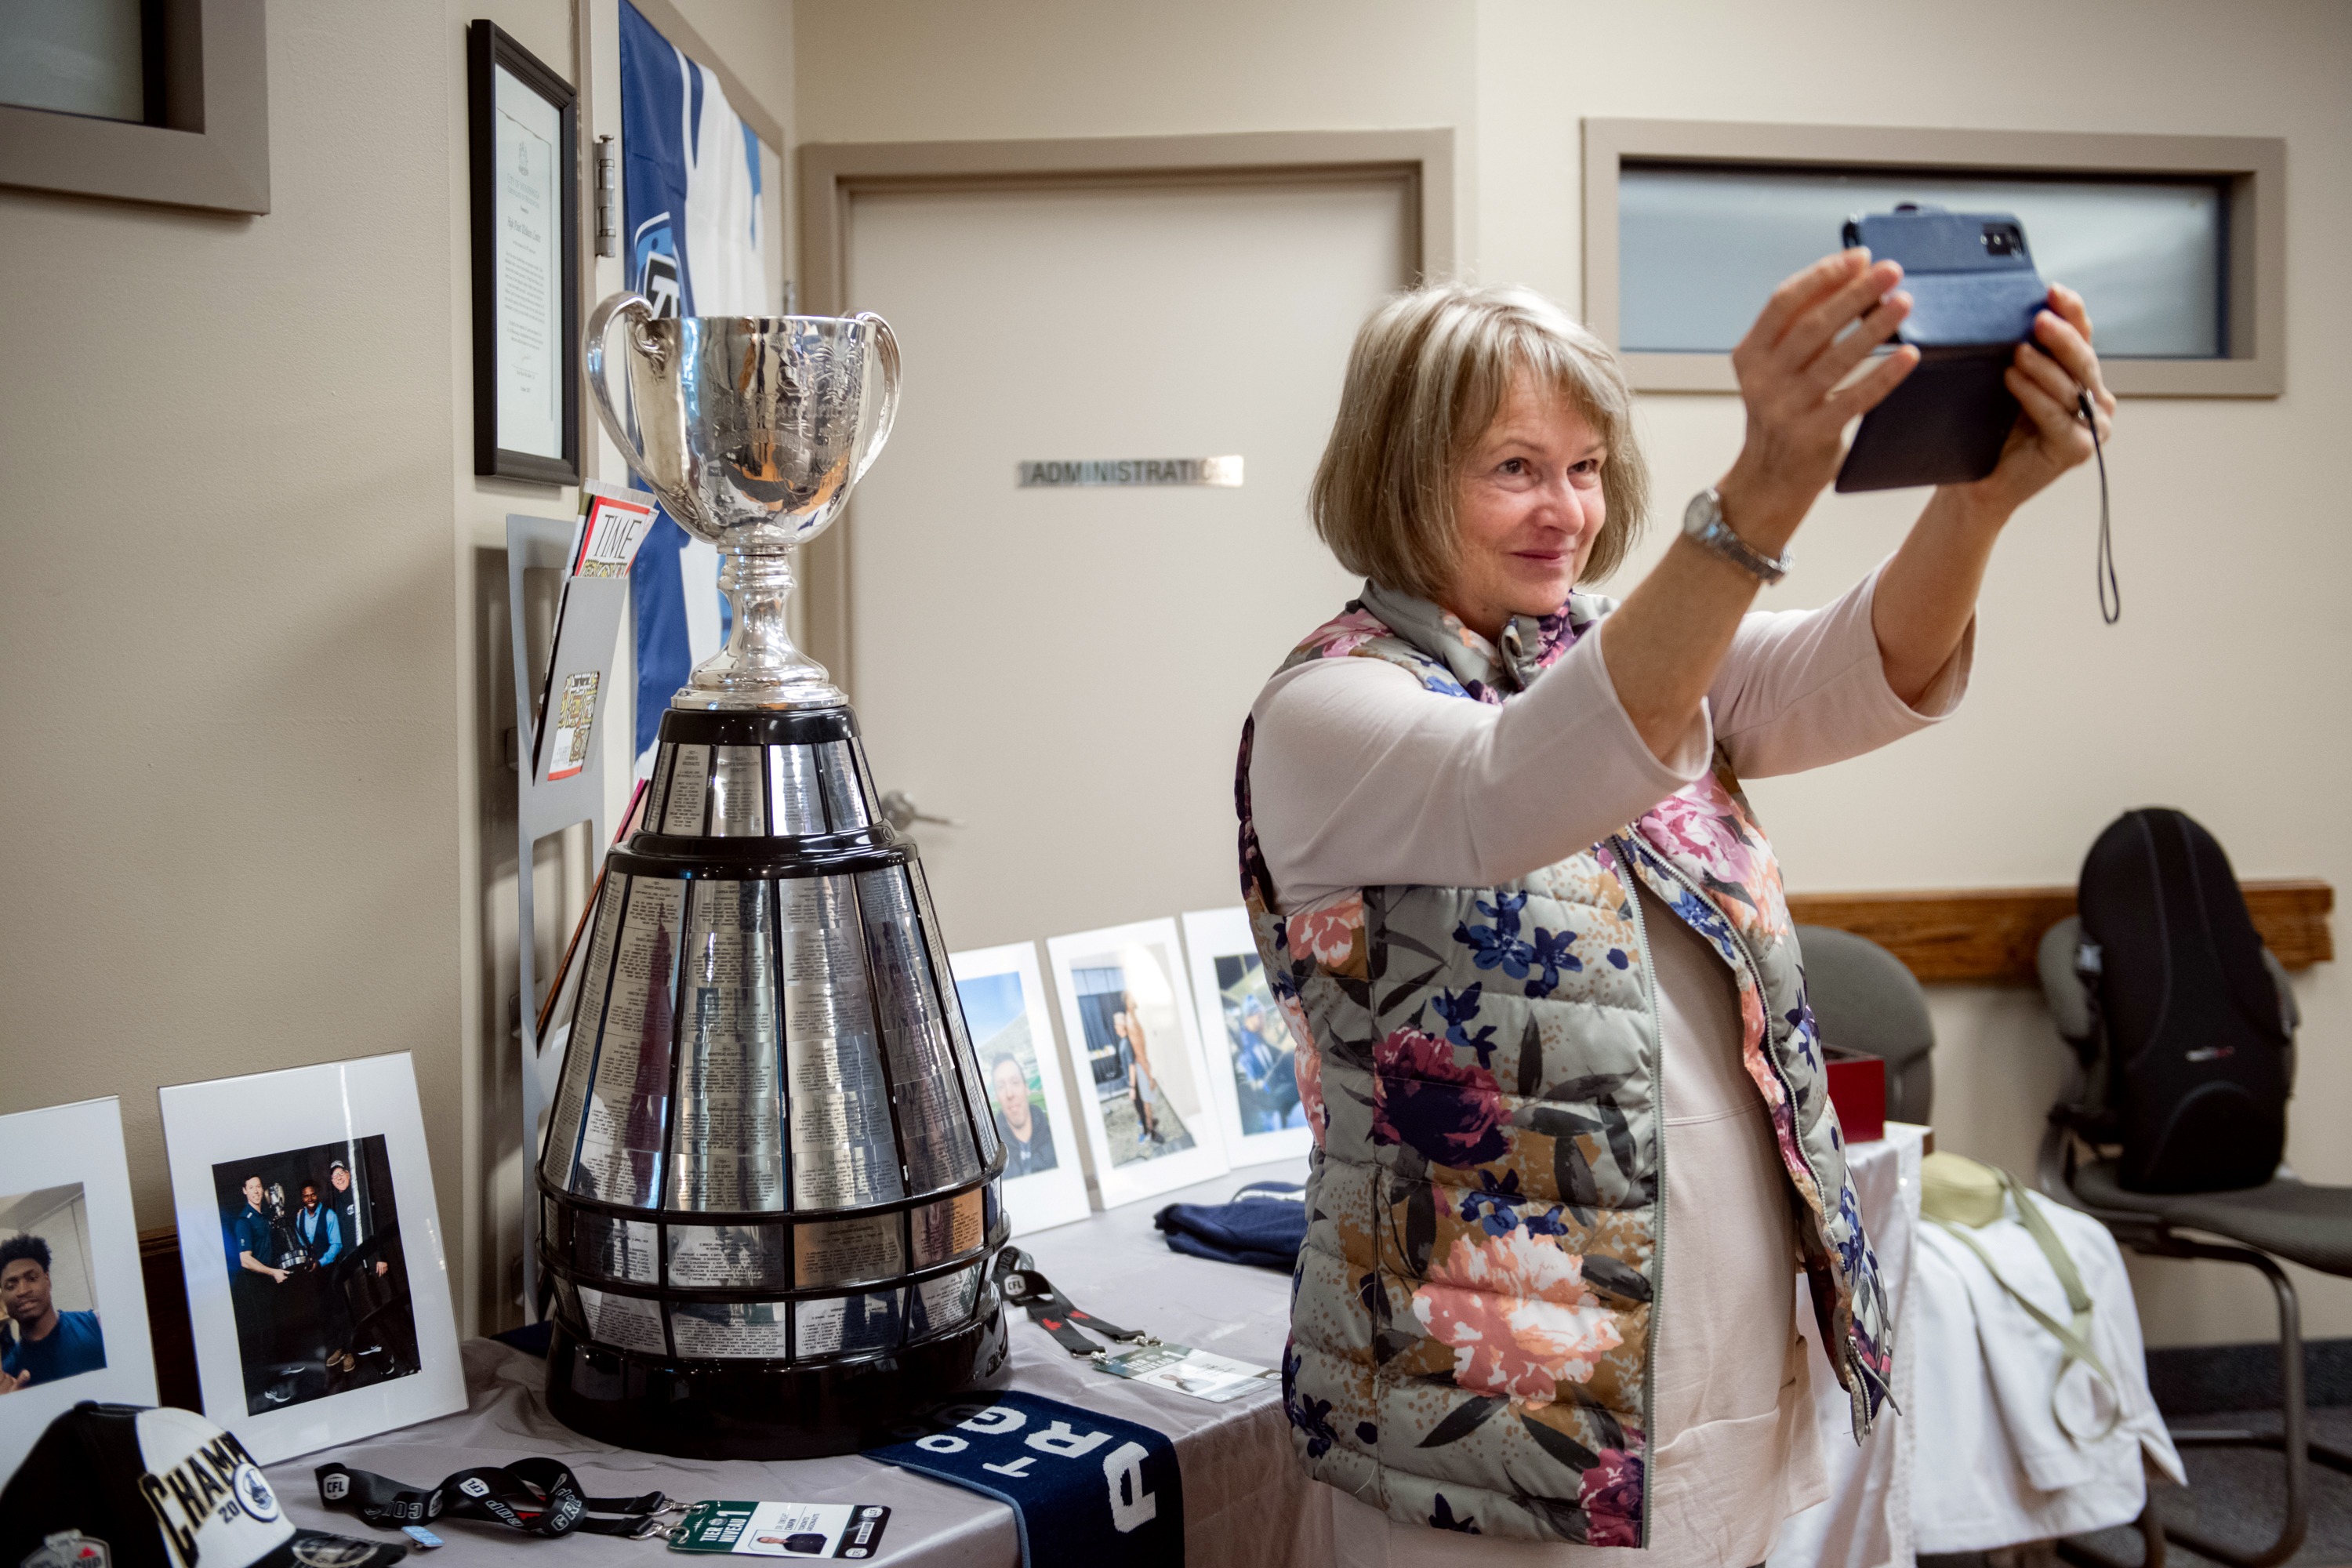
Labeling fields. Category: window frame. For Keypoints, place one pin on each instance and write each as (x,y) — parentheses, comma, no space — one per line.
(212,147)
(2253,170)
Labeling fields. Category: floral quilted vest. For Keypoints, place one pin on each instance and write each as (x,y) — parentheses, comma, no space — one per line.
(1472,1313)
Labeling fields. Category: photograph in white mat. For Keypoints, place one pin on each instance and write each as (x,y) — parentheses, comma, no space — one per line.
(1260,1052)
(48,1291)
(1126,1006)
(312,1241)
(998,1016)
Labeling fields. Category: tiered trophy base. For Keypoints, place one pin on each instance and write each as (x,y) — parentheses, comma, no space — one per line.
(740,1410)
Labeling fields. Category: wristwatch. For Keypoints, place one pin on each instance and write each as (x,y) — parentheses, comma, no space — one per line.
(1703,524)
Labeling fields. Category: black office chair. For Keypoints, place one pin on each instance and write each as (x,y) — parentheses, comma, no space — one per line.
(1865,1000)
(2285,1218)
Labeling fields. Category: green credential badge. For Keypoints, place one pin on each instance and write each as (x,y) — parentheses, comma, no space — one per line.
(782,1529)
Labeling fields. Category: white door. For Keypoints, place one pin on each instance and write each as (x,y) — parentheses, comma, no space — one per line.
(1065,671)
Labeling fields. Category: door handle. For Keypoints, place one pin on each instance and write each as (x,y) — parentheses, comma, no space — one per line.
(902,813)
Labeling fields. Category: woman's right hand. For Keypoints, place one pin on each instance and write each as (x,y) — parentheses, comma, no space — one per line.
(1789,367)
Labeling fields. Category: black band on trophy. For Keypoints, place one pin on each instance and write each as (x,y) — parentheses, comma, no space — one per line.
(782,727)
(537,1496)
(1017,1279)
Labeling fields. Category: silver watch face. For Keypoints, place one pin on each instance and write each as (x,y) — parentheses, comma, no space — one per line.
(1701,513)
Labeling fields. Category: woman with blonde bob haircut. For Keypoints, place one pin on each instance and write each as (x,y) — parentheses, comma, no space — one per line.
(1428,372)
(1515,907)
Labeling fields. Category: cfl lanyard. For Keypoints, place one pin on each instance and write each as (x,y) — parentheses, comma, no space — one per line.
(536,1496)
(1018,1279)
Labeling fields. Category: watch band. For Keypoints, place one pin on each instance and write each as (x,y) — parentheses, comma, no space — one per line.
(1703,524)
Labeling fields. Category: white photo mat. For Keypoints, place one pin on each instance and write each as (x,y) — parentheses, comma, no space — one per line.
(1241,1109)
(229,1120)
(81,1145)
(1097,975)
(1003,992)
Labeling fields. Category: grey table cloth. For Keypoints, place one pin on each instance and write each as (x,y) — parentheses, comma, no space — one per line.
(1246,1503)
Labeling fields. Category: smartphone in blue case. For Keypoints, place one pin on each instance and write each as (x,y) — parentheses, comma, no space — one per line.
(1974,293)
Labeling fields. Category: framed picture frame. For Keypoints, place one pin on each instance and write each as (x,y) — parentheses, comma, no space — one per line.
(524,165)
(318,1286)
(72,1300)
(1251,1079)
(1140,1077)
(1002,993)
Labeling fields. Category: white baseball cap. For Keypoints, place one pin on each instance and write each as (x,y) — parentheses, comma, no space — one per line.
(119,1486)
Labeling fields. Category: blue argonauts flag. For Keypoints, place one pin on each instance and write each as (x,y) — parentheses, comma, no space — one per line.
(696,247)
(1084,1487)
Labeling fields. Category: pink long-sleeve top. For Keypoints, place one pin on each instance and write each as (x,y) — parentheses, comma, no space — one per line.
(1363,777)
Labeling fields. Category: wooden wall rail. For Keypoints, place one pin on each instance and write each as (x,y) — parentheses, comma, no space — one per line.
(1988,935)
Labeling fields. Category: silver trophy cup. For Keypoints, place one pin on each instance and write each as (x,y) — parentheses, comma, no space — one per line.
(771,1177)
(751,431)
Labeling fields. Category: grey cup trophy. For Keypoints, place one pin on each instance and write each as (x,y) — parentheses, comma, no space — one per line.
(751,431)
(770,1180)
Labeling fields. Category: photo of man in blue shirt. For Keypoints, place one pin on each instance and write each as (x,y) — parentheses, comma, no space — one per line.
(252,1245)
(317,1282)
(46,1344)
(318,1228)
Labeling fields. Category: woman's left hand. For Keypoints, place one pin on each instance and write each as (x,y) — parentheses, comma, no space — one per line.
(2048,375)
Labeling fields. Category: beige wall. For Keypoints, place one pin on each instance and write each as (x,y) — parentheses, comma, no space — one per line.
(2223,690)
(226,604)
(252,610)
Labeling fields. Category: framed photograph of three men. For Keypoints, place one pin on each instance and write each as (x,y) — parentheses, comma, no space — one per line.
(318,1287)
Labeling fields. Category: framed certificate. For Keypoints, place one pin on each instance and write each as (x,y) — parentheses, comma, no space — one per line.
(526,189)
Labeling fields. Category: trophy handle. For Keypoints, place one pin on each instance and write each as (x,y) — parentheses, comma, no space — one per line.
(638,311)
(886,346)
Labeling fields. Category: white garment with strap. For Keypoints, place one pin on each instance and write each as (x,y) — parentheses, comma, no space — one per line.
(1994,1467)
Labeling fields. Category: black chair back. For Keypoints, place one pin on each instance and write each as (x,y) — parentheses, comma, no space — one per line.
(1865,1000)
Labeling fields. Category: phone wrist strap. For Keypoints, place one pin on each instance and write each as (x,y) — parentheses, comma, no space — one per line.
(536,1496)
(1017,1279)
(2111,592)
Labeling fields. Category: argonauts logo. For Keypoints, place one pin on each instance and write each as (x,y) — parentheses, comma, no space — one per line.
(253,1493)
(654,261)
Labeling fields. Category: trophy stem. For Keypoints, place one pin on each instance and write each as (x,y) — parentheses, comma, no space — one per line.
(760,666)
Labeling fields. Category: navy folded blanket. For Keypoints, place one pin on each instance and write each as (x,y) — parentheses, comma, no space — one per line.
(1264,1226)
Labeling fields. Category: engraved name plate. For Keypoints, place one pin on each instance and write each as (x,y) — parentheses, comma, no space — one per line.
(943,1303)
(587,1024)
(739,805)
(689,788)
(733,1330)
(621,1146)
(938,1138)
(844,801)
(795,804)
(848,1251)
(844,1325)
(615,1249)
(948,1228)
(983,1116)
(628,1322)
(729,1141)
(842,1152)
(656,802)
(727,1257)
